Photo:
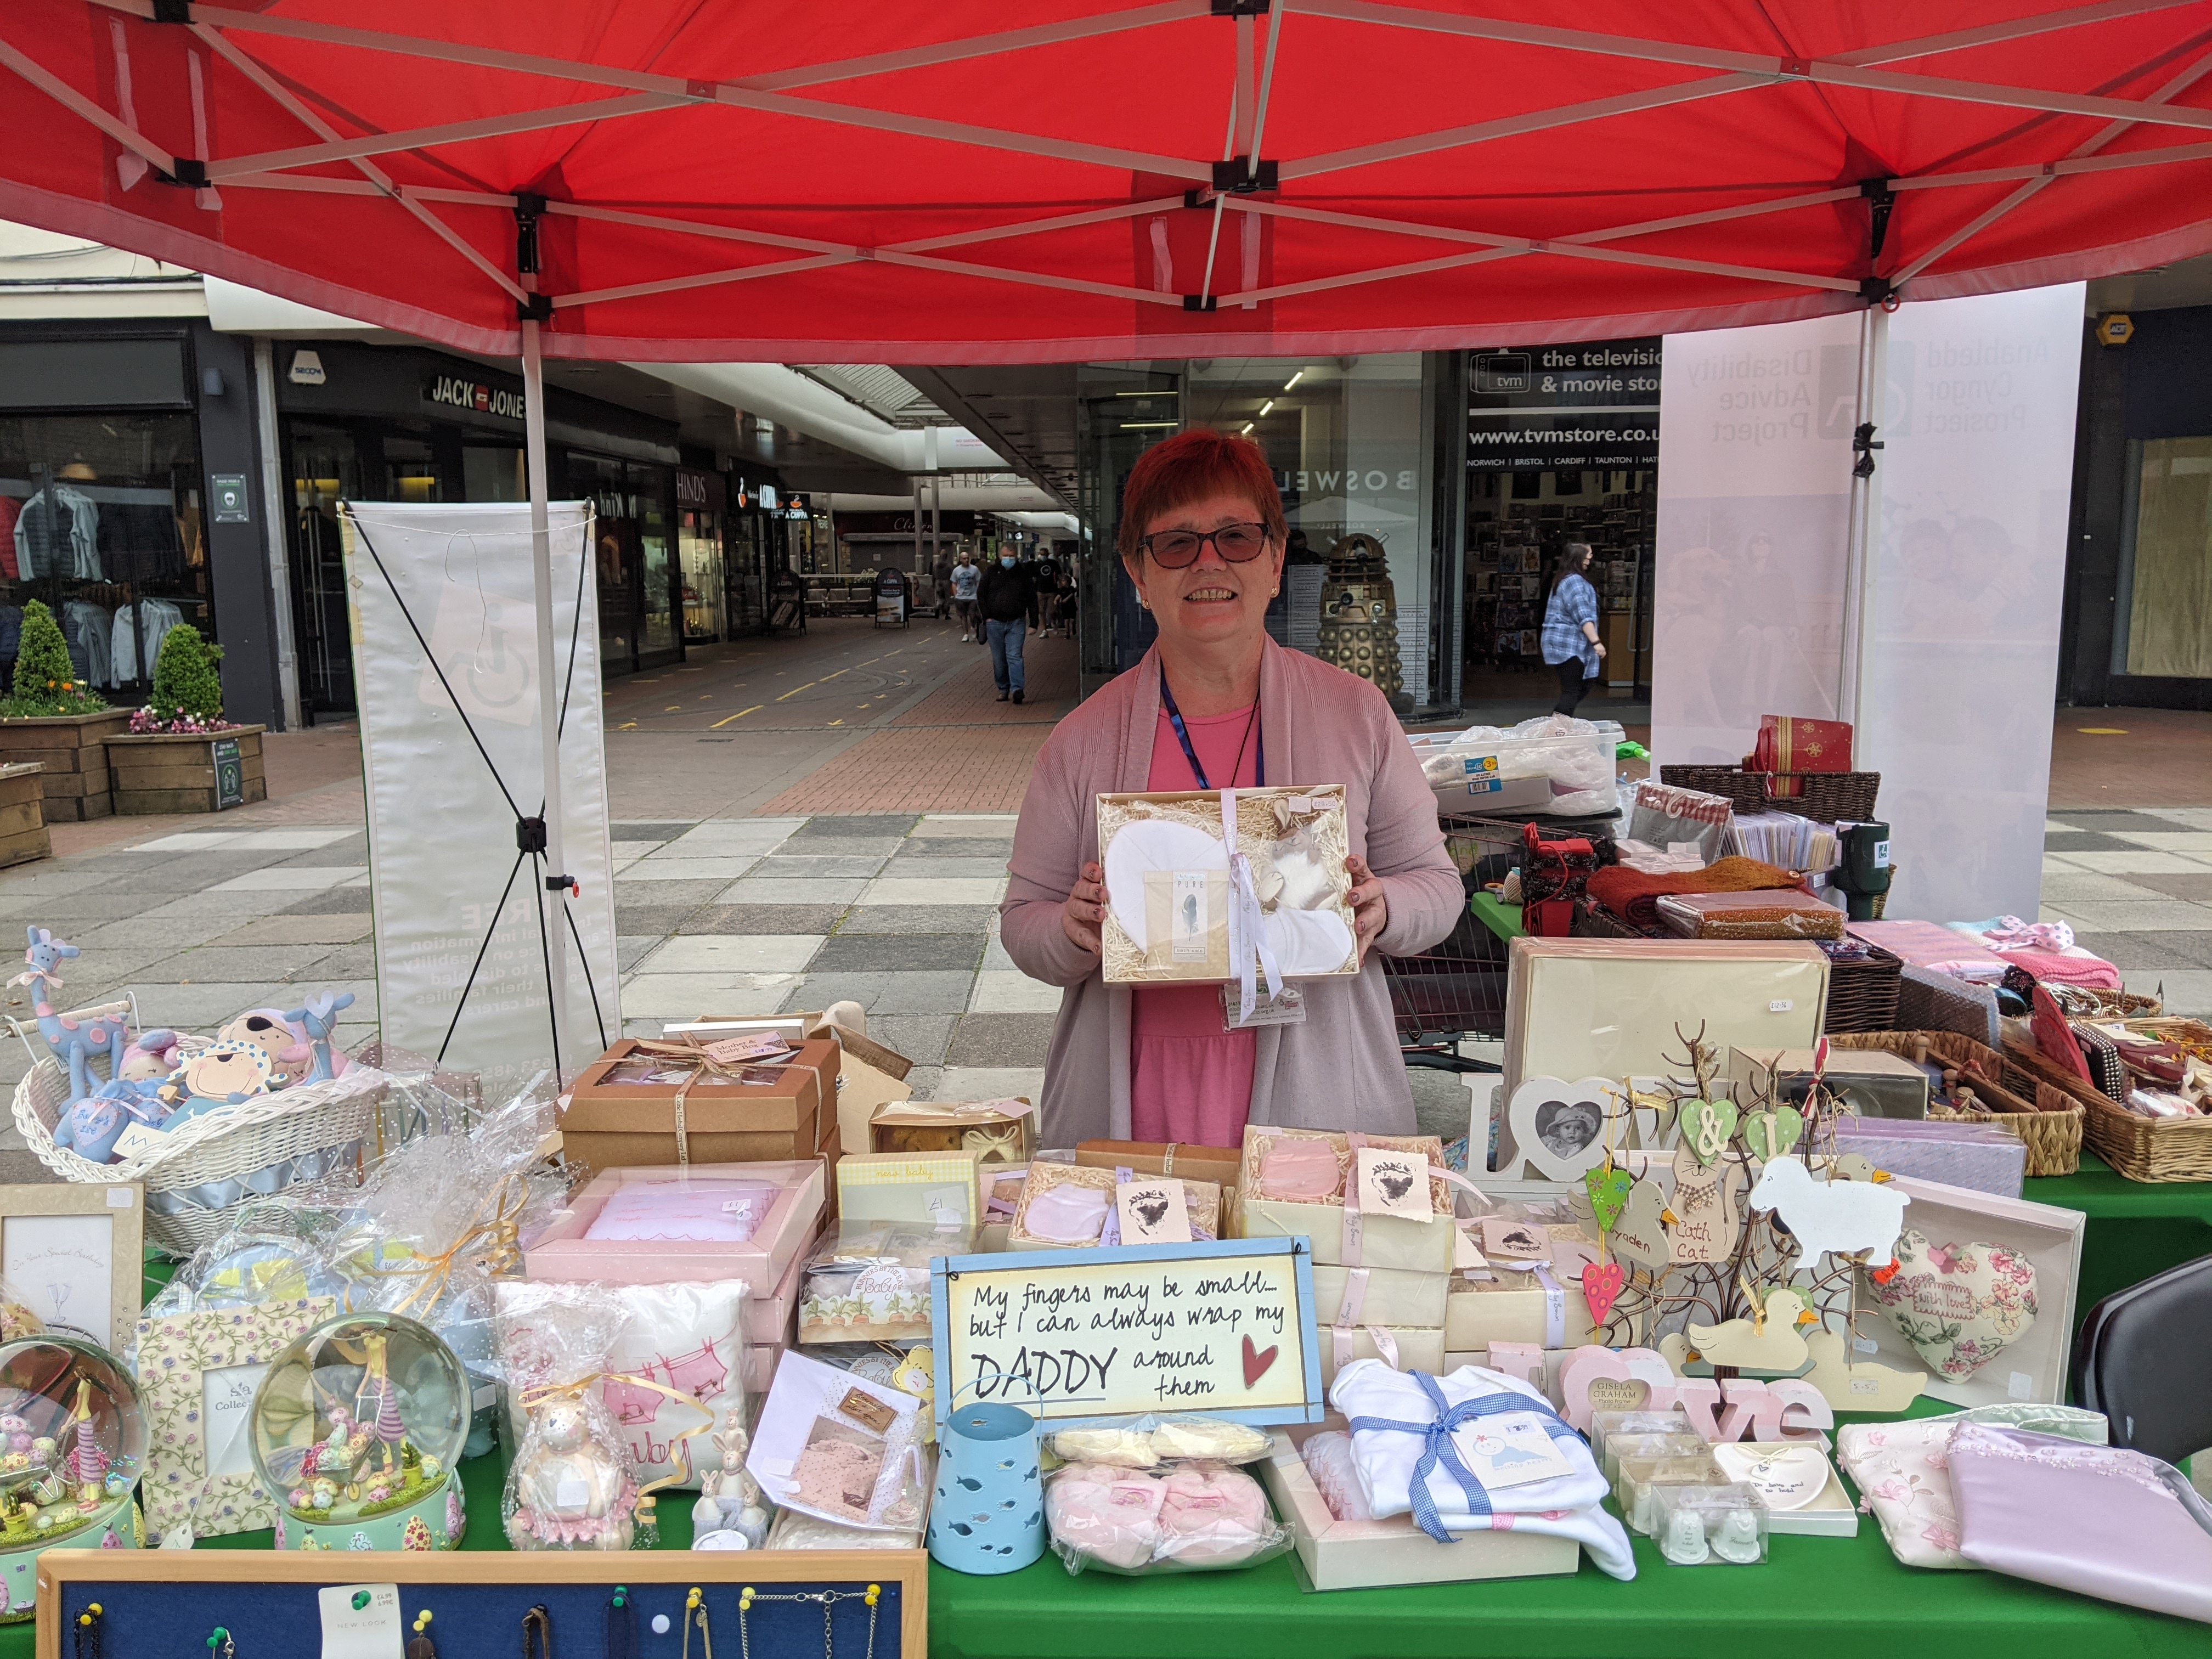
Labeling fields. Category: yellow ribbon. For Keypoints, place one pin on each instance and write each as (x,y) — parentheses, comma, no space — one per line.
(547,1393)
(704,1062)
(494,1231)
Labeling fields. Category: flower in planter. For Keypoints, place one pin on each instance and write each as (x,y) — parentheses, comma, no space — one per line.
(187,690)
(45,679)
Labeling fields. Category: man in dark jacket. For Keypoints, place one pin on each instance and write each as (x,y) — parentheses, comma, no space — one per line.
(1005,599)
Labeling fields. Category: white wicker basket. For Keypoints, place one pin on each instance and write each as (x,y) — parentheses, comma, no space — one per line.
(323,1124)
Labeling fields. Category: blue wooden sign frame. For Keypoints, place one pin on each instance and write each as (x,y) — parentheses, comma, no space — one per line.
(1044,1263)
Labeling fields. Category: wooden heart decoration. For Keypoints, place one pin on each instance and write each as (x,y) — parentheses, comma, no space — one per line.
(1771,1133)
(1256,1362)
(1601,1287)
(1706,1127)
(1558,1128)
(1617,1394)
(1609,1194)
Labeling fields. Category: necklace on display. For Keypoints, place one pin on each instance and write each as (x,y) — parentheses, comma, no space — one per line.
(87,1631)
(828,1599)
(695,1607)
(538,1620)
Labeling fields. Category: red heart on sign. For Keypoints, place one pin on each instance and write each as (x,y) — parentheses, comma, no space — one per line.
(1256,1361)
(1601,1287)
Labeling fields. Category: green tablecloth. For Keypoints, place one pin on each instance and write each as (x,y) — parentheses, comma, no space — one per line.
(2136,1228)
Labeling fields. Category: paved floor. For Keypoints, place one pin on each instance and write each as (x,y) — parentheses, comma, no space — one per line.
(803,820)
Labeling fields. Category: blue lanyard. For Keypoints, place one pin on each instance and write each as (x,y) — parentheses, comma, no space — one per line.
(1182,737)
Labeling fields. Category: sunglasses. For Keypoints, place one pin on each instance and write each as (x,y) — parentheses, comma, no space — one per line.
(1173,549)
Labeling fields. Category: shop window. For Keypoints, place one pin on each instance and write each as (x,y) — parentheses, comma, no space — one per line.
(2165,609)
(100,520)
(494,474)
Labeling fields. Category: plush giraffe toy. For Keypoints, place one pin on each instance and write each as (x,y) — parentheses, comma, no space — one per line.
(72,1042)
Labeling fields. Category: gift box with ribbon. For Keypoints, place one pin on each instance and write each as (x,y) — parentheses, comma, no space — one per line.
(1789,744)
(995,1131)
(700,1100)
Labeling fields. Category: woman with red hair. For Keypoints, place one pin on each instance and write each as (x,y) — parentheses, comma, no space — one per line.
(1216,704)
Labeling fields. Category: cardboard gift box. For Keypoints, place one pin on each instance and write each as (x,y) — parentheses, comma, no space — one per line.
(1098,1195)
(1379,1296)
(621,1111)
(1371,1554)
(1515,1307)
(1218,1164)
(869,1075)
(1410,1348)
(1168,872)
(771,1316)
(792,1218)
(919,1189)
(1608,1007)
(1790,743)
(2032,1369)
(1402,1242)
(995,1131)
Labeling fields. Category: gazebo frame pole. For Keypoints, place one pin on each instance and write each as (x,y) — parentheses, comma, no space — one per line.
(1863,540)
(552,896)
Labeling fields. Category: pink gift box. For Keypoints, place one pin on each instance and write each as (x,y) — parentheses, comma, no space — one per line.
(778,1236)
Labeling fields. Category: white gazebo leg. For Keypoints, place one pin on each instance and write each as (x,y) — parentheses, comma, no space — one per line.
(552,903)
(1863,542)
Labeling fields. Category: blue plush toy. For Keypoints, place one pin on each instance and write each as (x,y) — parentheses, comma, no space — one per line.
(91,1126)
(319,1018)
(222,1074)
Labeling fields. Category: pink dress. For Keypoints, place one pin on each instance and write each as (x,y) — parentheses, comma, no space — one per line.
(1189,1080)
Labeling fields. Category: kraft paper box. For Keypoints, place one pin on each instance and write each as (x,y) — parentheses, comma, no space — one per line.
(1383,1296)
(920,1189)
(1400,1243)
(870,1074)
(1420,1348)
(998,1132)
(1218,1164)
(1515,1307)
(1372,1554)
(621,1112)
(1608,1007)
(1167,876)
(793,1217)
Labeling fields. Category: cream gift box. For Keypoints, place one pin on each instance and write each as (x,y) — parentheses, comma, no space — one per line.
(921,1189)
(1378,1296)
(792,1218)
(1515,1307)
(1871,1082)
(1411,1348)
(1371,1554)
(1400,1242)
(1608,1007)
(1167,873)
(2032,1369)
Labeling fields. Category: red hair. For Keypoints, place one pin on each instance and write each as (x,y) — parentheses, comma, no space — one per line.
(1189,467)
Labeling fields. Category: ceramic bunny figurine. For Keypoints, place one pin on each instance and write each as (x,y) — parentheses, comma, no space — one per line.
(730,1499)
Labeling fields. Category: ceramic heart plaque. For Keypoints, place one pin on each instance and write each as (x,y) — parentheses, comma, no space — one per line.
(1559,1127)
(1959,1305)
(1771,1133)
(1609,1194)
(1785,1477)
(1706,1127)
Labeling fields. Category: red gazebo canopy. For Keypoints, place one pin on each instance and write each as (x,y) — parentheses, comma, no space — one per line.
(798,181)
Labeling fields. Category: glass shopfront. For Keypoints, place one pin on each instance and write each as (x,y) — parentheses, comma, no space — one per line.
(702,516)
(636,555)
(102,519)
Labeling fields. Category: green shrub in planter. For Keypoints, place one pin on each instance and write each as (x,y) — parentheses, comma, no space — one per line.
(47,681)
(187,690)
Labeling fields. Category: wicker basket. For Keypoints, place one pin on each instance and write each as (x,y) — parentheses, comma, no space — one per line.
(1863,995)
(321,1125)
(2048,1120)
(1829,797)
(2148,1149)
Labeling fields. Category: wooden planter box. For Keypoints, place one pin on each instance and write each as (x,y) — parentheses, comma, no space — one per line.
(158,772)
(22,815)
(73,748)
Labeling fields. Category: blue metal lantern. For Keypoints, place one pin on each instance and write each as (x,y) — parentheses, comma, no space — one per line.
(988,1514)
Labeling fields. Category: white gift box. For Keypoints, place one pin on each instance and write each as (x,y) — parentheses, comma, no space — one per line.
(1379,1296)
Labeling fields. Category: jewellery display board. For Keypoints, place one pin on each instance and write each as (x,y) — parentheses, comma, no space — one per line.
(584,1604)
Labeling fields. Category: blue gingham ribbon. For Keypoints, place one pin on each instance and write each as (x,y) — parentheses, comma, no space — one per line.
(1438,1450)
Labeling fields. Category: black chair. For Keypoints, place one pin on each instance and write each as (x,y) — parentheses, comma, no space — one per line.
(2143,1359)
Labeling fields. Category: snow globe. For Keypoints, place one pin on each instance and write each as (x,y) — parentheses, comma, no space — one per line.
(357,1431)
(72,1444)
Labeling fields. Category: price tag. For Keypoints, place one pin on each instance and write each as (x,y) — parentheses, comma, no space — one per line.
(360,1621)
(1511,1450)
(1780,1005)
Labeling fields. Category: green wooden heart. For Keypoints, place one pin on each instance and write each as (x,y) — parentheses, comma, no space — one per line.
(1706,1127)
(1609,1194)
(1769,1134)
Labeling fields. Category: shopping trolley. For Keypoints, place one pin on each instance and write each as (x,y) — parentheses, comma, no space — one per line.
(1454,991)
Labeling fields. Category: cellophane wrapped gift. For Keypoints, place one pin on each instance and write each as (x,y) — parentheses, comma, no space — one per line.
(1181,1515)
(1171,886)
(839,1447)
(1147,1441)
(572,1485)
(870,1282)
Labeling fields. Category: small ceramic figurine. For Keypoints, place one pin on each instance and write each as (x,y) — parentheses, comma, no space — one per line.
(1684,1540)
(1738,1538)
(730,1500)
(570,1489)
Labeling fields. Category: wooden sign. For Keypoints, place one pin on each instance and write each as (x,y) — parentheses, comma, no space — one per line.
(1224,1327)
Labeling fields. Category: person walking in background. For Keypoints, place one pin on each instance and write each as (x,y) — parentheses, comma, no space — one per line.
(941,574)
(965,576)
(1005,596)
(1045,573)
(1571,643)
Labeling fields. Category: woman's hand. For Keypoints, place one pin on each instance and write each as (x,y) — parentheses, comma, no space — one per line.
(1601,653)
(1370,910)
(1079,918)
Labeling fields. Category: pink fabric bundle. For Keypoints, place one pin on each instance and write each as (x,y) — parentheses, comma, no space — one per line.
(2070,966)
(1212,1515)
(1299,1167)
(1111,1515)
(1328,1460)
(691,1211)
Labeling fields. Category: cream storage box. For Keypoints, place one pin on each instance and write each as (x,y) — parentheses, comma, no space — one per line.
(1379,1296)
(1168,881)
(1410,1348)
(1611,1007)
(1871,1082)
(920,1189)
(1371,1554)
(1515,1307)
(1400,1243)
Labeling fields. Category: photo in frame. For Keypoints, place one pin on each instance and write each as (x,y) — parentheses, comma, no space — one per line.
(199,1373)
(76,1254)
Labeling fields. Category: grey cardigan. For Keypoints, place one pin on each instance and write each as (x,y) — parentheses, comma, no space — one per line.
(1340,1069)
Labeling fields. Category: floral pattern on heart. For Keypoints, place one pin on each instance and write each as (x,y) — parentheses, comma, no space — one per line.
(1959,1305)
(1609,1194)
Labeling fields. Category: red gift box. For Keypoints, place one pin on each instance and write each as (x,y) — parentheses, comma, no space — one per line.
(1788,743)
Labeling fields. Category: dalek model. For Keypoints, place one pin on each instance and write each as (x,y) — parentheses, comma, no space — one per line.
(1359,618)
